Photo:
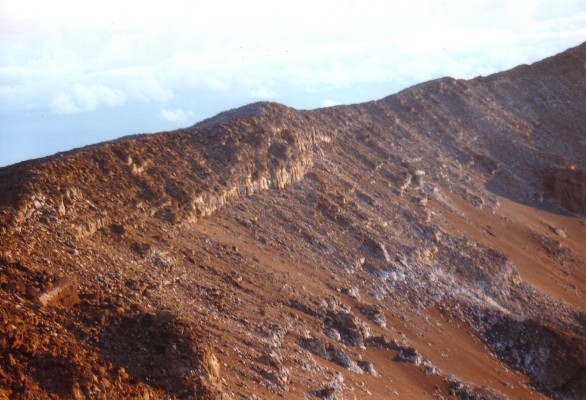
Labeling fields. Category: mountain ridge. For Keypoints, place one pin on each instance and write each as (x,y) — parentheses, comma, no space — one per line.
(252,110)
(452,200)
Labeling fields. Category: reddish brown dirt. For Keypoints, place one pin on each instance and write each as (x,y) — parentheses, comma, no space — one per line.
(529,241)
(426,245)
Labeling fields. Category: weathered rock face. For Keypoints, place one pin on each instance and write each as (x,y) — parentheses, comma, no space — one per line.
(175,177)
(286,246)
(556,360)
(568,187)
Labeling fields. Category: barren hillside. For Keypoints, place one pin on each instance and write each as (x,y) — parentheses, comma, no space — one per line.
(429,245)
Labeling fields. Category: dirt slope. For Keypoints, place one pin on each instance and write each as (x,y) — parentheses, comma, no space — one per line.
(427,245)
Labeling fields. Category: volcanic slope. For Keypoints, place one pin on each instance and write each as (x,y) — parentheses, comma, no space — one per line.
(428,245)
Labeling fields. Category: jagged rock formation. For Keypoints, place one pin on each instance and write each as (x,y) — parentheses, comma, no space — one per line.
(269,251)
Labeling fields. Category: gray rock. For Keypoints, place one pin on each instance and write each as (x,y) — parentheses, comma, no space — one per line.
(367,366)
(343,360)
(410,355)
(316,347)
(352,330)
(333,333)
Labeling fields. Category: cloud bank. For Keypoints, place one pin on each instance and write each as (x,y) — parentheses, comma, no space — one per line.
(178,116)
(67,58)
(71,57)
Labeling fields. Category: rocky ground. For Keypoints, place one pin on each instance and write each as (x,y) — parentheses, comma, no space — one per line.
(426,245)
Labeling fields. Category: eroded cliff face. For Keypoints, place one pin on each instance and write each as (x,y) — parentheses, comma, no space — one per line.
(179,176)
(430,236)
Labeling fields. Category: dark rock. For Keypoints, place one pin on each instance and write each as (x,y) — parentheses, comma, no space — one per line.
(352,330)
(316,347)
(367,366)
(410,355)
(467,391)
(326,393)
(343,360)
(568,187)
(382,343)
(374,313)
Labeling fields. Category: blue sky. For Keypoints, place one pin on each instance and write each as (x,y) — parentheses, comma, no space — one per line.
(75,73)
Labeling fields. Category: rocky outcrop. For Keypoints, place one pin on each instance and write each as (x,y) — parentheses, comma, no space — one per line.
(176,177)
(553,358)
(568,187)
(62,292)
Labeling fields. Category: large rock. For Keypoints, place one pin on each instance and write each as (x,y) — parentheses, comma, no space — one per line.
(63,292)
(568,187)
(351,329)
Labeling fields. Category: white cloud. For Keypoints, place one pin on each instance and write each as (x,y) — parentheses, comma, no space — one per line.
(141,83)
(87,98)
(63,104)
(179,115)
(264,93)
(73,57)
(329,103)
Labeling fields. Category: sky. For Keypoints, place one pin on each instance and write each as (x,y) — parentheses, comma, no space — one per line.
(74,73)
